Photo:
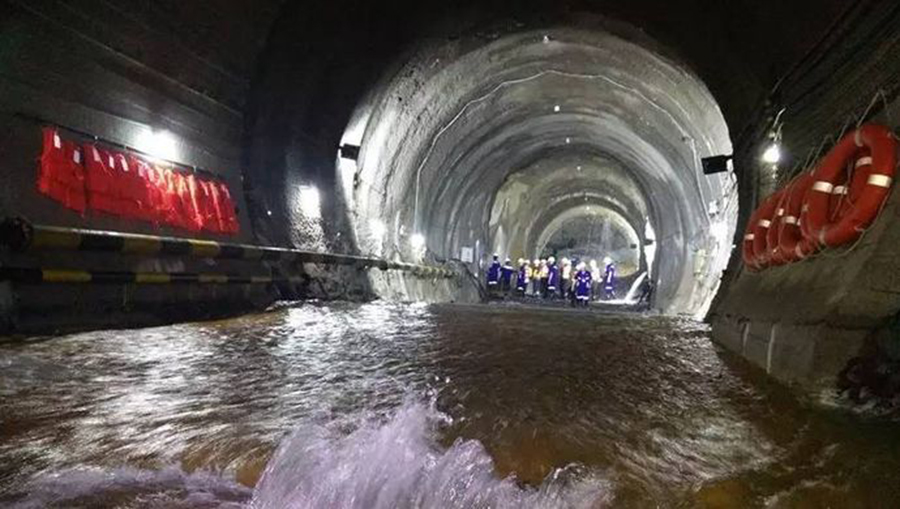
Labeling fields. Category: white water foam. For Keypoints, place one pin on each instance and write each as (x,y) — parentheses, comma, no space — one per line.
(398,464)
(392,462)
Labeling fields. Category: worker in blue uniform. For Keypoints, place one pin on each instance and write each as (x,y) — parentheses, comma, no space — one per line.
(493,275)
(552,278)
(583,280)
(609,280)
(506,274)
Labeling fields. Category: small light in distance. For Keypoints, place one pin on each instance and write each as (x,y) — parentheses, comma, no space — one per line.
(772,154)
(556,108)
(377,227)
(269,212)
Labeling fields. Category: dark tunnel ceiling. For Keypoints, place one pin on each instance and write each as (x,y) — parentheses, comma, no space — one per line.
(760,39)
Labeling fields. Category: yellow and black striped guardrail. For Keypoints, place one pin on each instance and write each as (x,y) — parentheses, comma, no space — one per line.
(21,236)
(34,276)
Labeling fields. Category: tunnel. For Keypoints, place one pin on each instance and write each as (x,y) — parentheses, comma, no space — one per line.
(585,114)
(582,253)
(597,114)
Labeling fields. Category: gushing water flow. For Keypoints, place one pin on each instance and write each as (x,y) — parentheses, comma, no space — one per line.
(408,406)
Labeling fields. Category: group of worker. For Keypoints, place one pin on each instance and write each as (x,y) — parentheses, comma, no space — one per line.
(545,278)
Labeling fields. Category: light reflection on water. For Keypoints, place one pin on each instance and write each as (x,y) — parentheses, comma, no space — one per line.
(390,405)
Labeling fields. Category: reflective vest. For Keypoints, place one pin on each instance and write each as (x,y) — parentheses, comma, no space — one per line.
(61,171)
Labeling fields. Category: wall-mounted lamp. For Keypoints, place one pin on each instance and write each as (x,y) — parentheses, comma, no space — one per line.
(378,228)
(772,154)
(310,203)
(417,241)
(158,144)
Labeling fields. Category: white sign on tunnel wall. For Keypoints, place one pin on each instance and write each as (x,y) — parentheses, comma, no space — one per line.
(467,255)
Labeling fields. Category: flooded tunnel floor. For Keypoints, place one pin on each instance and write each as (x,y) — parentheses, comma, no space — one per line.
(404,405)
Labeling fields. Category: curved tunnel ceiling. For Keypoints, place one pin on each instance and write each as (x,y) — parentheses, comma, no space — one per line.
(442,134)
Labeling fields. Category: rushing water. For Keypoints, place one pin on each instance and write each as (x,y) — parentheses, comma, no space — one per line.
(389,405)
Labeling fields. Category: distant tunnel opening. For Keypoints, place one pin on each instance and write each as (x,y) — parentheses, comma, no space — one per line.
(544,139)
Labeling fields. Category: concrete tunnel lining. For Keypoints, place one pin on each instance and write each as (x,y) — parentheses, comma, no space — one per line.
(433,157)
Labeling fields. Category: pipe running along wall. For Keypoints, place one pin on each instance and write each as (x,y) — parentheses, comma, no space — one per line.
(496,144)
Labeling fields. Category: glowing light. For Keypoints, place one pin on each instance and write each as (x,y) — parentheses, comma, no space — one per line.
(417,240)
(772,154)
(568,140)
(269,212)
(546,39)
(378,228)
(158,144)
(310,204)
(556,108)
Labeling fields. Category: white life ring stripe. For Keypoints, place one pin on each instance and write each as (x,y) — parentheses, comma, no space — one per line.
(863,161)
(823,187)
(839,190)
(764,223)
(779,212)
(790,220)
(879,180)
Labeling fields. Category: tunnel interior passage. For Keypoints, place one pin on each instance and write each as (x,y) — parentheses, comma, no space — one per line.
(511,143)
(571,205)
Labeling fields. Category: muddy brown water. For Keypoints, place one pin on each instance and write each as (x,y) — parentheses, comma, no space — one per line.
(408,405)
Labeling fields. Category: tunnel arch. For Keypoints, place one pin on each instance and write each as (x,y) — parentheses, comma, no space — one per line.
(442,132)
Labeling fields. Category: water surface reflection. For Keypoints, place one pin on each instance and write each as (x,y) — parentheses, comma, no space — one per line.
(398,405)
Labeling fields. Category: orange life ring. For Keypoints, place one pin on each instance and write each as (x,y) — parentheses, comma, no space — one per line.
(815,224)
(842,199)
(747,253)
(791,242)
(776,256)
(760,229)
